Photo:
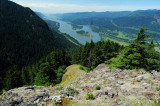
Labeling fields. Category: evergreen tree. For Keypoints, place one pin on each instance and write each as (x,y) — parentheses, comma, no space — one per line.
(92,54)
(139,54)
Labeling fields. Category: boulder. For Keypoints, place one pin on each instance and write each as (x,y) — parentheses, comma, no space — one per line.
(139,78)
(24,95)
(154,73)
(121,82)
(110,93)
(102,67)
(98,93)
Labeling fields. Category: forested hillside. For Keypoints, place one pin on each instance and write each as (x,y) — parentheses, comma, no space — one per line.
(24,39)
(119,26)
(92,54)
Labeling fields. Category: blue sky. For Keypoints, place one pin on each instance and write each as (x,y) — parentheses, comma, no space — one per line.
(65,6)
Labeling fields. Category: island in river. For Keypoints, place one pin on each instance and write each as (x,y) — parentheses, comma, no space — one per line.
(83,33)
(75,27)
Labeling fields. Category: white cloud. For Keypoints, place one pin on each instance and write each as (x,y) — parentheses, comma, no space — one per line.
(65,8)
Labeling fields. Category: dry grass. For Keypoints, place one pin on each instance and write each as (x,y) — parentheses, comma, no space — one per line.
(72,72)
(65,102)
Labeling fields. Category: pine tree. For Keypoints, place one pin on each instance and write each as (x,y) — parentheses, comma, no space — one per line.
(139,54)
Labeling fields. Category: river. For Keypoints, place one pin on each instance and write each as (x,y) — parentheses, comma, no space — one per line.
(67,28)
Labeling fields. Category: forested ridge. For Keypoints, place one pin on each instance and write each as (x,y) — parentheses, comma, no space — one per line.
(24,39)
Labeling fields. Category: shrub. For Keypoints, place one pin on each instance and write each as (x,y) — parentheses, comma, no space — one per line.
(98,87)
(158,88)
(70,91)
(81,68)
(90,96)
(86,69)
(3,91)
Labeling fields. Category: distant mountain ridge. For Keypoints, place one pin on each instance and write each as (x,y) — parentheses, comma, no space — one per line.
(120,26)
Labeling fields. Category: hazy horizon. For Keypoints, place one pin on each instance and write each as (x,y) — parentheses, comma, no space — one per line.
(72,6)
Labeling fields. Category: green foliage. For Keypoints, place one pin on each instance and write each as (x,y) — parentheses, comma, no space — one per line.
(2,91)
(141,36)
(156,102)
(45,75)
(98,87)
(158,88)
(47,71)
(139,54)
(51,68)
(25,39)
(69,91)
(92,54)
(86,69)
(90,96)
(59,73)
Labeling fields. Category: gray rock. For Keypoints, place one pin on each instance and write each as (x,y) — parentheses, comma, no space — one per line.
(126,104)
(12,102)
(143,72)
(118,71)
(10,93)
(121,82)
(24,104)
(98,93)
(44,95)
(134,74)
(102,67)
(111,94)
(29,87)
(5,104)
(33,98)
(40,96)
(139,78)
(154,73)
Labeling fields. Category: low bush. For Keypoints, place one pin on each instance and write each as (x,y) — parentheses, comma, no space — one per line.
(90,96)
(158,88)
(86,69)
(70,91)
(98,87)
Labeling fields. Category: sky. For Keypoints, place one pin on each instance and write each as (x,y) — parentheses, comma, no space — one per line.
(68,6)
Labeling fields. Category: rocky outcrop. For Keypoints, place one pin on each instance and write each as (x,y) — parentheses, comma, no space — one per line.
(34,95)
(118,84)
(24,95)
(117,87)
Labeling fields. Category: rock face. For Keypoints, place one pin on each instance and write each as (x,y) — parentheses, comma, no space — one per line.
(32,95)
(117,84)
(117,88)
(24,95)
